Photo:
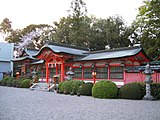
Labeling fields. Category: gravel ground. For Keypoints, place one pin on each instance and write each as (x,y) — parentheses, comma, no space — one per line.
(24,104)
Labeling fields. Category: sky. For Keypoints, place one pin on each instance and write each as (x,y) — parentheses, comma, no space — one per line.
(26,12)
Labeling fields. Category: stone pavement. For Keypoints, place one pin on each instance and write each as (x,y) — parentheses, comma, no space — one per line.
(24,104)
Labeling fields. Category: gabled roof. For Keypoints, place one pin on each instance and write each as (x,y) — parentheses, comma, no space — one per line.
(29,52)
(63,49)
(23,58)
(38,62)
(113,53)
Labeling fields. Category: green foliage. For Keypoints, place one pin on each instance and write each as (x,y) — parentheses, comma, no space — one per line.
(0,82)
(6,28)
(131,91)
(147,27)
(86,89)
(7,81)
(69,86)
(104,89)
(75,86)
(155,89)
(14,83)
(25,83)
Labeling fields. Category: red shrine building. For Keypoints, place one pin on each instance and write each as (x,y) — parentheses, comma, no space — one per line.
(54,60)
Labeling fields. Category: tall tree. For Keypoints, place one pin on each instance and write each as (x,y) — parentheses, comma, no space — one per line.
(42,32)
(111,33)
(78,22)
(147,27)
(6,28)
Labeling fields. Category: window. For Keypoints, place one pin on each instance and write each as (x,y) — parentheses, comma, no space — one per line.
(116,72)
(52,72)
(131,69)
(102,73)
(28,71)
(87,72)
(77,73)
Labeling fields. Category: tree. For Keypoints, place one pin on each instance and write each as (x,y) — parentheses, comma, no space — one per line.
(42,32)
(110,32)
(6,28)
(147,27)
(74,29)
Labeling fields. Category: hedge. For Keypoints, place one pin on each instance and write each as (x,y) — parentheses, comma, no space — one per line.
(86,89)
(131,91)
(69,86)
(104,89)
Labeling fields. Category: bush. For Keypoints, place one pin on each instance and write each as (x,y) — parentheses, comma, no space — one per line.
(25,83)
(155,89)
(75,86)
(131,91)
(86,89)
(66,87)
(18,81)
(7,81)
(69,86)
(104,89)
(0,82)
(14,83)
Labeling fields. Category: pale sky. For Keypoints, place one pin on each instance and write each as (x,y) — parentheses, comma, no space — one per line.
(26,12)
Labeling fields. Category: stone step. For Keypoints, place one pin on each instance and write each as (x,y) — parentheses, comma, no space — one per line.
(42,87)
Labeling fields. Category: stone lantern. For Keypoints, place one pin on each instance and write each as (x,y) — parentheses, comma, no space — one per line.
(34,73)
(148,72)
(70,74)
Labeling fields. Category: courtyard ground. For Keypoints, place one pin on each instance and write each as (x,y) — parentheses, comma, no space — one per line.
(24,104)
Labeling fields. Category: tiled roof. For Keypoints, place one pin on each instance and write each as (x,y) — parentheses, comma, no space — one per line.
(31,52)
(23,58)
(38,62)
(64,49)
(113,53)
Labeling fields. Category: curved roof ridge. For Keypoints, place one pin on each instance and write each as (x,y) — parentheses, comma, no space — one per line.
(114,49)
(68,46)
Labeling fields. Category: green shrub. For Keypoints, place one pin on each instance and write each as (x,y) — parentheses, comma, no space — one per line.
(131,91)
(86,89)
(7,81)
(25,83)
(0,82)
(66,86)
(15,83)
(75,86)
(69,86)
(104,89)
(60,87)
(155,89)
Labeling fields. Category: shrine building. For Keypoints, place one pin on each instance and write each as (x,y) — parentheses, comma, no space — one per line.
(55,60)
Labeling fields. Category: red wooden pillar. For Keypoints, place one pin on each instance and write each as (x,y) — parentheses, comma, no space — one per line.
(124,76)
(108,72)
(82,72)
(56,69)
(42,74)
(47,73)
(62,71)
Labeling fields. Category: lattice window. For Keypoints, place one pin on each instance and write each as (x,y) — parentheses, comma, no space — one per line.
(116,72)
(77,73)
(87,72)
(102,73)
